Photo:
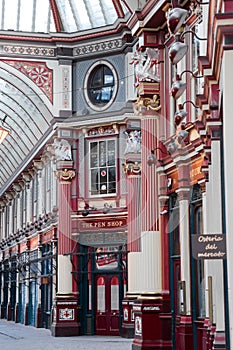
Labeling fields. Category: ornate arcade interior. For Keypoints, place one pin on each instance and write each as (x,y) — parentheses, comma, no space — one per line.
(115,185)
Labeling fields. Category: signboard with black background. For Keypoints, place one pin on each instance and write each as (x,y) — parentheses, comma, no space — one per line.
(209,246)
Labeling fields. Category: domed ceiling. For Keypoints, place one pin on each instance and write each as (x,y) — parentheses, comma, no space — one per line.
(68,16)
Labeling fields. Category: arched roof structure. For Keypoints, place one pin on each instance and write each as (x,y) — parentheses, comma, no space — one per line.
(27,115)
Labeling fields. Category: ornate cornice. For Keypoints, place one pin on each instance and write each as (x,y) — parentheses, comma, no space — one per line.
(98,47)
(21,50)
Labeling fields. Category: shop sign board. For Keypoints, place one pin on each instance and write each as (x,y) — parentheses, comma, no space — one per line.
(209,246)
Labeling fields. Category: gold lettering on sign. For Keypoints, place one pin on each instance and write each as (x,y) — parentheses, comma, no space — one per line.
(96,225)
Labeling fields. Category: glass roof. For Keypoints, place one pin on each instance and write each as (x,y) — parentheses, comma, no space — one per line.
(69,15)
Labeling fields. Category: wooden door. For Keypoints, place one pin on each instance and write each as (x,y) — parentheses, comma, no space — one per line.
(107,315)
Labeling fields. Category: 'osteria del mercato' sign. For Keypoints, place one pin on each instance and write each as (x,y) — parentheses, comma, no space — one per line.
(209,246)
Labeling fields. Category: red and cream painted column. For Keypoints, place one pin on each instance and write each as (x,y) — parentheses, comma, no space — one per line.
(152,304)
(132,169)
(65,320)
(184,328)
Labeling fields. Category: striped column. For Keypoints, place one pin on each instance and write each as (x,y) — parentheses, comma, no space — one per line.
(150,235)
(65,176)
(64,204)
(133,172)
(149,128)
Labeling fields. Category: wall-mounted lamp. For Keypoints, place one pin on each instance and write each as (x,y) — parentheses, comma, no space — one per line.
(181,113)
(107,208)
(178,87)
(191,31)
(4,131)
(86,210)
(177,50)
(182,136)
(152,159)
(172,146)
(176,18)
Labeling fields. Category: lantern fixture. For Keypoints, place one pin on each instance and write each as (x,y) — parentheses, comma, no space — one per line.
(107,208)
(176,18)
(152,159)
(177,51)
(178,87)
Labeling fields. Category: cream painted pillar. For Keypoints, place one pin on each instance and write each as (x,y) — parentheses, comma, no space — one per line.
(184,195)
(11,217)
(227,86)
(38,165)
(64,276)
(29,202)
(41,192)
(19,211)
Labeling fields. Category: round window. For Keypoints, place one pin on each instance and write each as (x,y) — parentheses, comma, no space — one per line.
(100,85)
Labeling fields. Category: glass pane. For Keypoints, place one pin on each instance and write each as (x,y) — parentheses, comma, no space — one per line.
(101,294)
(67,16)
(111,152)
(97,78)
(1,9)
(108,76)
(106,94)
(106,258)
(25,20)
(114,294)
(103,178)
(94,159)
(10,18)
(42,22)
(81,15)
(94,181)
(112,180)
(102,153)
(96,13)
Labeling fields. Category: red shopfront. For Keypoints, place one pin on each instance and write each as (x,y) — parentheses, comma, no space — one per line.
(100,260)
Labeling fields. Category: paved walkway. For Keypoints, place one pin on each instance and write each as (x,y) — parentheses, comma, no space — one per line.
(17,336)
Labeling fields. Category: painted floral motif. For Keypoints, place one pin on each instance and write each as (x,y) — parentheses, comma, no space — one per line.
(40,76)
(39,73)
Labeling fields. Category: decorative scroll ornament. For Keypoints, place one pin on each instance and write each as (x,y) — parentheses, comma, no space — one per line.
(132,168)
(146,103)
(65,175)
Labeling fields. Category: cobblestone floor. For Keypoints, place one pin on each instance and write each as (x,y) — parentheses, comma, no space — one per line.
(17,336)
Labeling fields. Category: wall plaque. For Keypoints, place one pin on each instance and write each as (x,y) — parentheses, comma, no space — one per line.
(209,246)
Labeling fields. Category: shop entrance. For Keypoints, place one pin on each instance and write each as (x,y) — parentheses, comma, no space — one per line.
(102,287)
(107,312)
